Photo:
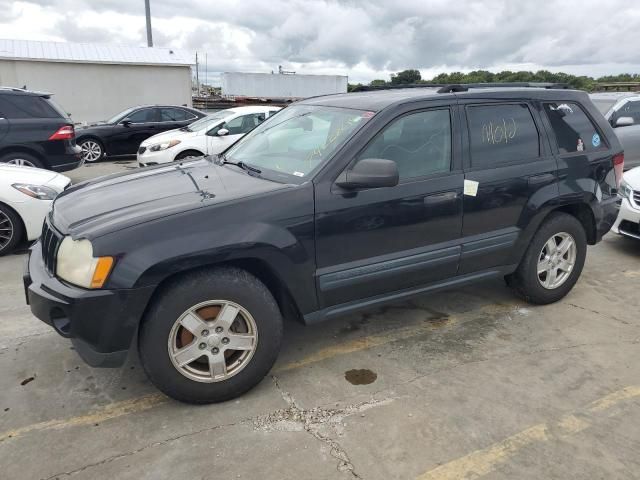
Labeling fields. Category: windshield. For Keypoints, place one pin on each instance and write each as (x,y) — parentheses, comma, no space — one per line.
(116,118)
(604,104)
(204,122)
(297,140)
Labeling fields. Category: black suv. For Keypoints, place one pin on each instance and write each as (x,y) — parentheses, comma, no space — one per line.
(35,132)
(337,203)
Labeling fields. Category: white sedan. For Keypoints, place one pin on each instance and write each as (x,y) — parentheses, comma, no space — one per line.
(26,195)
(628,222)
(208,136)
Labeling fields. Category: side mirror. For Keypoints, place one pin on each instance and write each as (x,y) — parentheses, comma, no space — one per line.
(222,132)
(125,123)
(624,121)
(370,173)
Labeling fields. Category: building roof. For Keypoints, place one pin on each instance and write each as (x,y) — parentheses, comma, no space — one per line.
(37,51)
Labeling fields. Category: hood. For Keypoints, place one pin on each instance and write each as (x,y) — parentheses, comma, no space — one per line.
(174,134)
(632,177)
(111,203)
(10,174)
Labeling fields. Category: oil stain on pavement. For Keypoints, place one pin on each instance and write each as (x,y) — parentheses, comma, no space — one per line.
(360,377)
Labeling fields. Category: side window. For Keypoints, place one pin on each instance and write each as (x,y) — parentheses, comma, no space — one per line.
(244,124)
(26,106)
(573,130)
(631,109)
(172,115)
(419,143)
(501,134)
(142,116)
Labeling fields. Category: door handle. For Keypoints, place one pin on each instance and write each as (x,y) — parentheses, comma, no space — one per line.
(541,180)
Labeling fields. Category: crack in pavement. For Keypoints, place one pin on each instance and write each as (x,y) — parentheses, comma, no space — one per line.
(312,421)
(293,418)
(138,450)
(605,315)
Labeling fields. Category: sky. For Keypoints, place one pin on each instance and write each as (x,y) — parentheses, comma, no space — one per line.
(362,39)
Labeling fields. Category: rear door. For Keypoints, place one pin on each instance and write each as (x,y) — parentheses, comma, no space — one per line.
(174,117)
(507,166)
(4,123)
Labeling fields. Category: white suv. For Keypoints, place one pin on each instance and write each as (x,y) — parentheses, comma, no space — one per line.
(209,135)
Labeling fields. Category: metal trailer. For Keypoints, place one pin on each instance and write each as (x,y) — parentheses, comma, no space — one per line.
(274,85)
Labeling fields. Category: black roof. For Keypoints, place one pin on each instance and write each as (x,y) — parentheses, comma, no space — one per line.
(378,99)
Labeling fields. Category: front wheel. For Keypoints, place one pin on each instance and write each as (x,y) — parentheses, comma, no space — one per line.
(211,336)
(553,262)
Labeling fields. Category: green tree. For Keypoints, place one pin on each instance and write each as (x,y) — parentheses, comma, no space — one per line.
(406,77)
(378,83)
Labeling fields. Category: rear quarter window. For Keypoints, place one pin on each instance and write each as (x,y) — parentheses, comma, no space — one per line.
(573,129)
(502,134)
(26,106)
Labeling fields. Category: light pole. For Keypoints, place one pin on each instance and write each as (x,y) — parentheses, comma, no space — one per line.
(147,9)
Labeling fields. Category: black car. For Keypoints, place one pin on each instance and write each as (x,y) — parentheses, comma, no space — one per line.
(335,204)
(35,132)
(123,133)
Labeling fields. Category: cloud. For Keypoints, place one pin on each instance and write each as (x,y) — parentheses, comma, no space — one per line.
(362,39)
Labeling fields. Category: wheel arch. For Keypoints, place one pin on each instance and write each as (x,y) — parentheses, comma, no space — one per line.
(255,266)
(24,149)
(194,151)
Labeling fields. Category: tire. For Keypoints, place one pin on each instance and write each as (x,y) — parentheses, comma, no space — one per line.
(92,149)
(22,159)
(163,337)
(187,154)
(11,229)
(528,284)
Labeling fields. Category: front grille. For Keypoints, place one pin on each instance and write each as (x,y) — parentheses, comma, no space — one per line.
(141,150)
(636,197)
(50,240)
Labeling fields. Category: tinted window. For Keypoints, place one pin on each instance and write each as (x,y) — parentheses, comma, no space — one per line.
(244,124)
(630,109)
(502,134)
(573,130)
(142,116)
(419,143)
(174,115)
(26,106)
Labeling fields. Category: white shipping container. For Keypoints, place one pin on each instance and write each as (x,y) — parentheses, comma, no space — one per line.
(268,85)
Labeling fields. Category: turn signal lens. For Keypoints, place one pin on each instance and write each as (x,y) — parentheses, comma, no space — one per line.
(102,271)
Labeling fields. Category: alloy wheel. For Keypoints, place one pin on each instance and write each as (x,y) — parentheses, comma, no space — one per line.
(213,341)
(21,162)
(556,260)
(6,230)
(91,150)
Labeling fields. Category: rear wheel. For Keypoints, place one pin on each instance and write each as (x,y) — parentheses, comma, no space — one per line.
(211,336)
(92,150)
(553,262)
(22,160)
(10,230)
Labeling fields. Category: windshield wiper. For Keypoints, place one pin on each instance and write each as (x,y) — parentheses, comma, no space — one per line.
(222,160)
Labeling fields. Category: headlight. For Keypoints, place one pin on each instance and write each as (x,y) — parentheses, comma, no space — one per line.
(36,191)
(163,146)
(76,264)
(625,190)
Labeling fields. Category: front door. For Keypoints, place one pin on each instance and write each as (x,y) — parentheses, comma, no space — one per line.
(506,167)
(133,130)
(378,241)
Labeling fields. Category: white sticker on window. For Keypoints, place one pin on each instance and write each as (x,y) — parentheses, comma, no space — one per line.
(471,188)
(298,174)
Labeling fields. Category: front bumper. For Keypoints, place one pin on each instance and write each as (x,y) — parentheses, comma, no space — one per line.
(100,323)
(628,221)
(149,158)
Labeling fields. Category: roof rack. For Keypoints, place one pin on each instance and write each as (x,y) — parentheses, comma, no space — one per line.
(463,87)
